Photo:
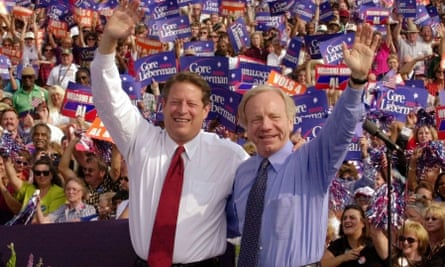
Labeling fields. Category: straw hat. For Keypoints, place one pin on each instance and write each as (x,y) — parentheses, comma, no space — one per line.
(411,27)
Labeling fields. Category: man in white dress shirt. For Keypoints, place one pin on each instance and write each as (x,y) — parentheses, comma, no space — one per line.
(210,162)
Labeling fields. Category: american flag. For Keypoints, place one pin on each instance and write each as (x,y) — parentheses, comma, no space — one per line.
(36,101)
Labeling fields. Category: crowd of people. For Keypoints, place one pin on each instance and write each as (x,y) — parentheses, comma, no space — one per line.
(293,202)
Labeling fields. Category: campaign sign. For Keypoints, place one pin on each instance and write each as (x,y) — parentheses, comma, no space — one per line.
(85,4)
(332,76)
(401,101)
(310,128)
(422,18)
(5,64)
(290,60)
(305,9)
(279,7)
(57,11)
(98,131)
(311,107)
(87,53)
(212,69)
(174,28)
(147,46)
(255,72)
(201,48)
(162,10)
(231,8)
(210,7)
(407,8)
(238,35)
(326,12)
(158,66)
(354,151)
(442,97)
(224,106)
(374,15)
(78,101)
(440,122)
(264,21)
(131,86)
(286,84)
(312,43)
(331,50)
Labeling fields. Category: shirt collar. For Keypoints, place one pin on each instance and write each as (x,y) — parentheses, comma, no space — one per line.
(190,147)
(278,158)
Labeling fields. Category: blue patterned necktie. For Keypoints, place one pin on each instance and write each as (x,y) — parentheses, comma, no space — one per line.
(252,225)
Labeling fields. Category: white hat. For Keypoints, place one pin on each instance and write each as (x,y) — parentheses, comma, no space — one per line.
(29,35)
(365,191)
(350,27)
(322,28)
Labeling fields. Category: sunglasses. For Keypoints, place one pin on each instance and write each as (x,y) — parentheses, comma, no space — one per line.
(40,173)
(27,77)
(19,162)
(430,219)
(410,240)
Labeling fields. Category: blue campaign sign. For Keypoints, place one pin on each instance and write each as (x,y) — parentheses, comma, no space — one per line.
(162,9)
(201,48)
(326,12)
(407,8)
(312,43)
(331,49)
(158,66)
(131,86)
(292,53)
(255,72)
(174,28)
(305,9)
(401,101)
(279,7)
(311,106)
(224,106)
(215,70)
(264,21)
(238,35)
(5,64)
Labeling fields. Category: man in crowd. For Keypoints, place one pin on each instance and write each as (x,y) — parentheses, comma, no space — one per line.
(291,189)
(195,233)
(29,95)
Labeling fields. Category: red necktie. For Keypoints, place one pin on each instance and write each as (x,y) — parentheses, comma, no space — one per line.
(164,229)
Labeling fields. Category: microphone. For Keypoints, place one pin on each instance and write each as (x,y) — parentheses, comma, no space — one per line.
(372,129)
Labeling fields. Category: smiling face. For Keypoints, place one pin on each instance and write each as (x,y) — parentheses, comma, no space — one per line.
(268,125)
(184,111)
(409,242)
(352,223)
(73,192)
(424,135)
(42,175)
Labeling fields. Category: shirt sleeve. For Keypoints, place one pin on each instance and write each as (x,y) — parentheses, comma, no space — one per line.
(120,117)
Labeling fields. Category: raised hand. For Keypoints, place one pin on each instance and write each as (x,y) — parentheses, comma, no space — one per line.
(361,56)
(120,25)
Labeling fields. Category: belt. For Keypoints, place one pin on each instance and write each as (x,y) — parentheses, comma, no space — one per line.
(212,262)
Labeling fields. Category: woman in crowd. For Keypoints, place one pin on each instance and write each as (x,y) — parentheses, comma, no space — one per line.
(256,49)
(45,179)
(435,85)
(413,244)
(74,210)
(356,246)
(435,226)
(56,94)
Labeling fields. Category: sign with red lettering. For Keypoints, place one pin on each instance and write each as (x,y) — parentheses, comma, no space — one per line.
(98,131)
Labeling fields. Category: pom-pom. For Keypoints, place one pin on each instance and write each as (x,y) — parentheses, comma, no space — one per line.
(340,194)
(433,154)
(377,212)
(425,118)
(103,150)
(9,146)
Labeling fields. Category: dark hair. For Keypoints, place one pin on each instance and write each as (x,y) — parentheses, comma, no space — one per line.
(365,231)
(55,177)
(100,163)
(42,125)
(436,186)
(190,77)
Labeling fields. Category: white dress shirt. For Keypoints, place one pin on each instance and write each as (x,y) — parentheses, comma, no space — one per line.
(210,164)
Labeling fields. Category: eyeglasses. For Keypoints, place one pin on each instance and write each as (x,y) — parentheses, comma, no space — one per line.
(203,32)
(27,77)
(20,162)
(410,240)
(40,173)
(7,45)
(429,218)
